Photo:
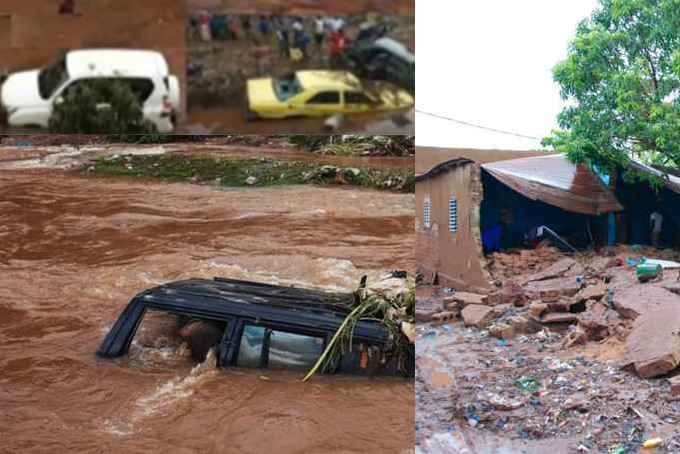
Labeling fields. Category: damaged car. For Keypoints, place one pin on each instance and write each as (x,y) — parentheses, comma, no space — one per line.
(321,93)
(255,325)
(382,59)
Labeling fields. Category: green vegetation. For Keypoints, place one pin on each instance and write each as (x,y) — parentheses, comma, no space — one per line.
(99,106)
(257,172)
(356,145)
(390,311)
(622,80)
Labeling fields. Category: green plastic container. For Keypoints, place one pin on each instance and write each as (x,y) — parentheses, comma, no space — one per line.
(645,272)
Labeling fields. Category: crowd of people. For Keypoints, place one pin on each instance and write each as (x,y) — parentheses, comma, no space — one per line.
(295,37)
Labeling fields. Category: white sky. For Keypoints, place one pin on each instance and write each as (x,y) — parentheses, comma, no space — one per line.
(490,62)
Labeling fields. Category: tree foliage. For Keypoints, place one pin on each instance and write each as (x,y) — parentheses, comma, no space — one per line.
(621,81)
(99,106)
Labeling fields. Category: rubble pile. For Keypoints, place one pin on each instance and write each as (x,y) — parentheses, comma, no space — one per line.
(533,396)
(527,371)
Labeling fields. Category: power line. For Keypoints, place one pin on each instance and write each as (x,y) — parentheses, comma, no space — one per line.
(486,128)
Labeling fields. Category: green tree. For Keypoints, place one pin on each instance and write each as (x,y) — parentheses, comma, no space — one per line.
(621,81)
(99,106)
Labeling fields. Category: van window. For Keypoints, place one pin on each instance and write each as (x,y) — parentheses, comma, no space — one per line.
(142,88)
(265,347)
(293,351)
(51,77)
(250,349)
(356,97)
(325,97)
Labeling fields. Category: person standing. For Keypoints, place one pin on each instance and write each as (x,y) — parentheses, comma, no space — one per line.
(204,26)
(264,26)
(656,222)
(282,39)
(319,32)
(337,44)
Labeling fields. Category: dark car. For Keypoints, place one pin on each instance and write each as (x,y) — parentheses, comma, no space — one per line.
(267,326)
(383,59)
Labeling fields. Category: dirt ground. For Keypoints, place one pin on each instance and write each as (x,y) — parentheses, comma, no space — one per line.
(561,358)
(75,249)
(309,6)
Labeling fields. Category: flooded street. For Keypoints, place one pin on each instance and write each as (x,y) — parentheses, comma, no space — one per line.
(223,119)
(74,250)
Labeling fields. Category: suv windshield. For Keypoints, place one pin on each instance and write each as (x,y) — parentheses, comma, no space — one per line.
(287,87)
(51,77)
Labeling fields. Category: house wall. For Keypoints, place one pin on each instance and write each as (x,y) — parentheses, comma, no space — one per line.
(456,258)
(33,33)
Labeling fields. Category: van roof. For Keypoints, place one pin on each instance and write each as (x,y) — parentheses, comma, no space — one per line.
(221,299)
(116,62)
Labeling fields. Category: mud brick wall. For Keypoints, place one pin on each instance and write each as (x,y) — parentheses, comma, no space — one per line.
(456,257)
(32,33)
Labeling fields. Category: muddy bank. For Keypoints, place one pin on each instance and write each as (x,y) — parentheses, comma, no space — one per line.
(248,172)
(74,250)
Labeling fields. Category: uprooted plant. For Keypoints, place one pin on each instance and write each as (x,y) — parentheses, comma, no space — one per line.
(392,310)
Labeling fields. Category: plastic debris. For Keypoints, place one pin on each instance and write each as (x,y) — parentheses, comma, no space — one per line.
(652,443)
(528,384)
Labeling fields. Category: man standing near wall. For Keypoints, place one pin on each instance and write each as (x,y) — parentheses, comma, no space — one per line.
(656,221)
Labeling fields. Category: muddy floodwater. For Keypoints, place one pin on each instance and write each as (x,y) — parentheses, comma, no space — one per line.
(74,250)
(225,119)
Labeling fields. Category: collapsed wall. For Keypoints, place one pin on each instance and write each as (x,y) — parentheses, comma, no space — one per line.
(450,254)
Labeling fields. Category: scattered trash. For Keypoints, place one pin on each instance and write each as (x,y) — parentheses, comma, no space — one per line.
(647,272)
(528,384)
(652,443)
(665,264)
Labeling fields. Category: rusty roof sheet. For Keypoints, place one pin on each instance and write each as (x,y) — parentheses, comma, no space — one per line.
(670,181)
(443,167)
(556,181)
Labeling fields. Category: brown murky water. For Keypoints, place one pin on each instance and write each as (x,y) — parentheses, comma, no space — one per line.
(226,119)
(73,250)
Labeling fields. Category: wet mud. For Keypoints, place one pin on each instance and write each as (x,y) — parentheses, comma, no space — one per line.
(74,250)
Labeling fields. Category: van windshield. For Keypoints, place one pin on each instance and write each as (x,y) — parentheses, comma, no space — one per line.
(51,77)
(287,87)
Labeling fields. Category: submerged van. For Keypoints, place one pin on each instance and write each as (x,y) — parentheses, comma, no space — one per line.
(268,326)
(28,97)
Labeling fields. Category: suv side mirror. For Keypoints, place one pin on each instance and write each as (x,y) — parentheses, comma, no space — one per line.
(59,100)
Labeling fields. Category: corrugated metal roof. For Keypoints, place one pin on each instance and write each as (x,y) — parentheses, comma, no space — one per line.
(443,167)
(556,181)
(670,181)
(428,157)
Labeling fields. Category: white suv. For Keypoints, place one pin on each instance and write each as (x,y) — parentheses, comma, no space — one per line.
(29,96)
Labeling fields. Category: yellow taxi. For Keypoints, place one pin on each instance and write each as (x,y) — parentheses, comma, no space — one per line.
(321,93)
